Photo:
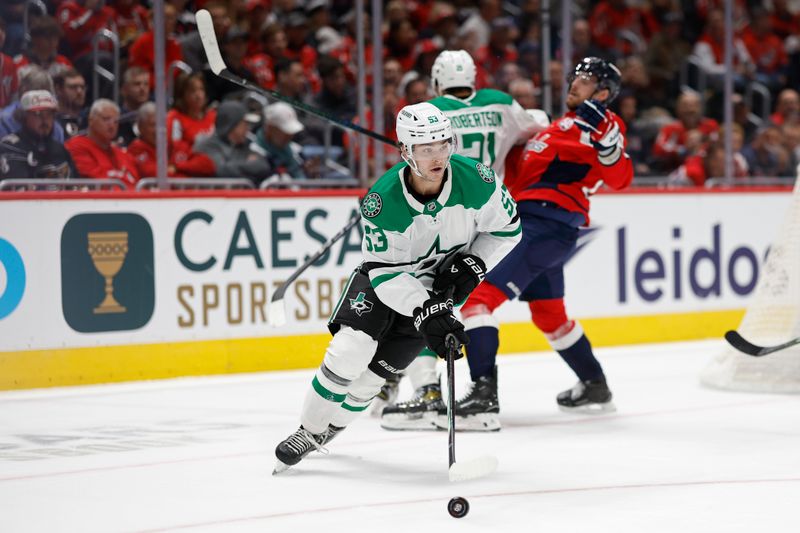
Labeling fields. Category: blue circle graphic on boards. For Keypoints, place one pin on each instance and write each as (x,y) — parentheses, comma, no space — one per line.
(15,278)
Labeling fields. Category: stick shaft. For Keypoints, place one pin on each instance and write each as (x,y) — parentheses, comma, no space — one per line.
(281,291)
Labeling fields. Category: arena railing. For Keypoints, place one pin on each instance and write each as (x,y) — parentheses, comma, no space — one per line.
(755,87)
(98,70)
(175,65)
(178,184)
(76,184)
(322,183)
(702,81)
(38,4)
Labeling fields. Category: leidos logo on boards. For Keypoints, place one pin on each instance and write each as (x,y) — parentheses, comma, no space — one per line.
(107,274)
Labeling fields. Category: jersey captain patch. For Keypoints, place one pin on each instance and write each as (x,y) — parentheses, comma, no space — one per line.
(485,172)
(372,205)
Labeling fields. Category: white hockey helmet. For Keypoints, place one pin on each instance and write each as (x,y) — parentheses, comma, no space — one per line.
(422,123)
(452,68)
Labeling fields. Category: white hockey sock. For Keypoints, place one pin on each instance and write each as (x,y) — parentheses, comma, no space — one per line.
(359,396)
(323,399)
(422,370)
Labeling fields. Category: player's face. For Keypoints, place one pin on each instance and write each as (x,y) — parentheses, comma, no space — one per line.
(432,159)
(582,88)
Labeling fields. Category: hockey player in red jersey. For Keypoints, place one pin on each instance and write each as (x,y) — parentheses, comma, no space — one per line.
(559,170)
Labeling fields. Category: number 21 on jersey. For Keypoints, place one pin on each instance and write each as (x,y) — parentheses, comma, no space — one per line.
(479,147)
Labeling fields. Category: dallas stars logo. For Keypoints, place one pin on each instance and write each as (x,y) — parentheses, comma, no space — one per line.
(372,205)
(485,172)
(360,304)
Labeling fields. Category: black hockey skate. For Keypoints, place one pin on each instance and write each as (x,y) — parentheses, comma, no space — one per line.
(418,413)
(587,397)
(479,410)
(299,444)
(386,397)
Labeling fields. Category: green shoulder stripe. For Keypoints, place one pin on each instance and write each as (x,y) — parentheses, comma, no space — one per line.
(473,183)
(508,233)
(449,104)
(490,96)
(385,205)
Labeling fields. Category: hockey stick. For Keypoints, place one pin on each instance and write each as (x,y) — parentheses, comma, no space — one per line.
(205,27)
(474,468)
(276,315)
(743,345)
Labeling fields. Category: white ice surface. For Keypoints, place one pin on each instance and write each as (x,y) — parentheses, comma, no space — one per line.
(197,455)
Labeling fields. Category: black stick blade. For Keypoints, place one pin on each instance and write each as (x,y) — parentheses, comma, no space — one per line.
(743,345)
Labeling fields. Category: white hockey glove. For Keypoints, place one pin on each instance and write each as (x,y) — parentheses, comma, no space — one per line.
(610,145)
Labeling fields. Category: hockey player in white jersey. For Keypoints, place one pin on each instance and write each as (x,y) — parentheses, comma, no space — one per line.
(487,124)
(431,223)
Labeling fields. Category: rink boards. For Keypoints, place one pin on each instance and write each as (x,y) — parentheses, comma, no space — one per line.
(128,286)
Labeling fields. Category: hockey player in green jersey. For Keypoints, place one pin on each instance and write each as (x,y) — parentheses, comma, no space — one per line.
(487,124)
(433,223)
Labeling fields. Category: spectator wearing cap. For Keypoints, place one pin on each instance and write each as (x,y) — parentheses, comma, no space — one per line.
(336,97)
(134,92)
(32,152)
(42,51)
(95,154)
(71,94)
(229,147)
(190,117)
(142,52)
(234,51)
(8,71)
(183,162)
(275,139)
(33,79)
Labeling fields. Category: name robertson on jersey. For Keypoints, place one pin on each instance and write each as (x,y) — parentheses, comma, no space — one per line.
(478,119)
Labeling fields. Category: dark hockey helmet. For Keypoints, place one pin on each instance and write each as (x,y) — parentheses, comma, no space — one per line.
(608,76)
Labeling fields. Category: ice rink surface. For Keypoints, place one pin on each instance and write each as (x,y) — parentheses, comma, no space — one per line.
(197,455)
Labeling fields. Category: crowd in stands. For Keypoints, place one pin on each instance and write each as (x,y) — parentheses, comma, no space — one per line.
(670,53)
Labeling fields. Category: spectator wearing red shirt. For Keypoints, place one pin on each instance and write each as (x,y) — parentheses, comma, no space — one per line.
(8,71)
(131,19)
(609,17)
(183,162)
(81,20)
(710,50)
(787,110)
(42,51)
(785,22)
(190,117)
(262,64)
(401,43)
(767,50)
(95,154)
(142,52)
(686,136)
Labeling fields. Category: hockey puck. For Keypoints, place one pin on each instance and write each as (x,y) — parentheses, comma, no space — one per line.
(458,507)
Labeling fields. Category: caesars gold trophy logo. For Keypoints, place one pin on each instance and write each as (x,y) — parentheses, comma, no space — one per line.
(108,250)
(107,272)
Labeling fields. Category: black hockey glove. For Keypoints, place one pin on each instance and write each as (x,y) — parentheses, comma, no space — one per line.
(591,113)
(466,272)
(435,321)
